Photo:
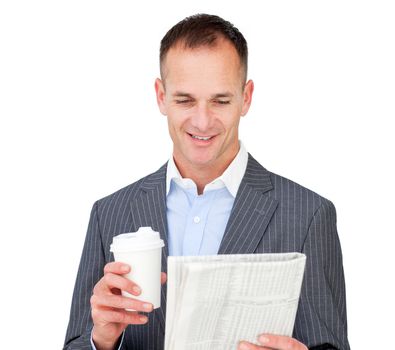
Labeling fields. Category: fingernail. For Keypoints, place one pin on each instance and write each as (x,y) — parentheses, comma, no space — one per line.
(136,289)
(124,268)
(263,339)
(144,319)
(147,306)
(243,346)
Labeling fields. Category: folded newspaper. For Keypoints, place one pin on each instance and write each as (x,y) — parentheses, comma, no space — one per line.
(213,302)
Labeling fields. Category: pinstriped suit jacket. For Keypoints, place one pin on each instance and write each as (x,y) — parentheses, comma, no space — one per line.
(270,214)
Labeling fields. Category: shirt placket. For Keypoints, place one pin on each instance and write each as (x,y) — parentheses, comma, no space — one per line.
(196,222)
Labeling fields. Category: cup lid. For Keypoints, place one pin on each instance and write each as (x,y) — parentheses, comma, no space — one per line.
(145,238)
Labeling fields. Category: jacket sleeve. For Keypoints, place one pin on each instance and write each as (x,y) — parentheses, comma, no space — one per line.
(321,320)
(78,335)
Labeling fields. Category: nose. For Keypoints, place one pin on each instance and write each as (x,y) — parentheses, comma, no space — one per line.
(201,119)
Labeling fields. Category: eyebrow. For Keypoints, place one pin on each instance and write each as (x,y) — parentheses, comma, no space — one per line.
(185,94)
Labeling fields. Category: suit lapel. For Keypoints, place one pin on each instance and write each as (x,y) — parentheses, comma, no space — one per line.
(149,209)
(251,213)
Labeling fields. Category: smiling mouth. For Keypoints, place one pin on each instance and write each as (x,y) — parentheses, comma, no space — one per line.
(201,138)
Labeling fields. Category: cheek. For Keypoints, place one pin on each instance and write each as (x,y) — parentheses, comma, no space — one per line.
(181,116)
(176,120)
(230,119)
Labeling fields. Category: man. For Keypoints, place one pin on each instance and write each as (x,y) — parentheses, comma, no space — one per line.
(212,197)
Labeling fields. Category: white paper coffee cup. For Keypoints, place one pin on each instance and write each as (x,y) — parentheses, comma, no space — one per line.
(142,250)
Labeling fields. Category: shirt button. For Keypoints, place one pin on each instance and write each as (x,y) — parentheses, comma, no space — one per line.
(196,219)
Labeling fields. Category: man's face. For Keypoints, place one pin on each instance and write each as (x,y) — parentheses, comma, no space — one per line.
(203,99)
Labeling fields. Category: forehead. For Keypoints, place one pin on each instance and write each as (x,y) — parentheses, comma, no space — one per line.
(215,65)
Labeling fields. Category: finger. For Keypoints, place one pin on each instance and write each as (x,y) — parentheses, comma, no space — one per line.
(163,277)
(117,267)
(281,342)
(118,316)
(110,280)
(245,345)
(120,302)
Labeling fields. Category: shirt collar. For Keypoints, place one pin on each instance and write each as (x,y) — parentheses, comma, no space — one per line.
(231,177)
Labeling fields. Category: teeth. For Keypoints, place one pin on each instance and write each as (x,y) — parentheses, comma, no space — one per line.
(201,138)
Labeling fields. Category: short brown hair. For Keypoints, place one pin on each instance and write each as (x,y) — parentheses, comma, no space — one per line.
(203,30)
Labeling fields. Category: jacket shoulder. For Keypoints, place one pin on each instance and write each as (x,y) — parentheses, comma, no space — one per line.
(286,190)
(128,193)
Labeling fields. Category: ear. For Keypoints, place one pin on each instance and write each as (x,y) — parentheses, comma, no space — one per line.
(160,96)
(247,97)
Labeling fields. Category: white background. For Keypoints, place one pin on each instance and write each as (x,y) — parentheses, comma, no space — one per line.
(79,120)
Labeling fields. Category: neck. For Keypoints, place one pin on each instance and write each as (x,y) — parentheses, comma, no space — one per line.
(203,174)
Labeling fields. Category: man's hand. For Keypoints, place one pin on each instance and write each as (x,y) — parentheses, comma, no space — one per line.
(272,341)
(108,305)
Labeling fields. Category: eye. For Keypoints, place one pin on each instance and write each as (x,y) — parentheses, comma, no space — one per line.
(183,101)
(223,102)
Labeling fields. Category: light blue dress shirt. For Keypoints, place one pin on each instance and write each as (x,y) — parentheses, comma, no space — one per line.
(196,223)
